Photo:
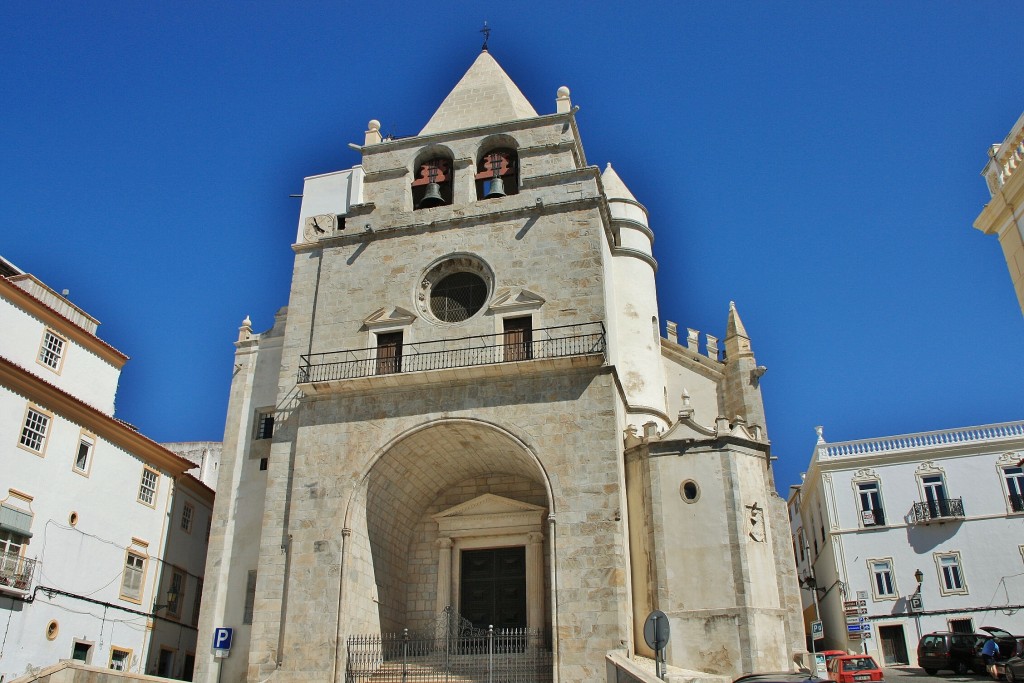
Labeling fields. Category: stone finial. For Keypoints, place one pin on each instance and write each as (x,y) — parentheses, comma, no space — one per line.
(245,331)
(818,430)
(712,346)
(671,332)
(373,132)
(686,412)
(692,339)
(629,437)
(562,102)
(721,425)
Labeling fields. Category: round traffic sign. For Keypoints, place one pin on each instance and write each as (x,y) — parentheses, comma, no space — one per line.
(656,630)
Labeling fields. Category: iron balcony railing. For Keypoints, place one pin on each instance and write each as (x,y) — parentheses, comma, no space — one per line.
(522,345)
(486,655)
(1017,502)
(16,571)
(937,510)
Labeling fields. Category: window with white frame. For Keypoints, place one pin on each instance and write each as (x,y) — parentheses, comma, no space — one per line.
(33,434)
(120,658)
(882,583)
(187,513)
(131,580)
(951,577)
(1014,477)
(147,487)
(51,351)
(871,512)
(11,544)
(84,455)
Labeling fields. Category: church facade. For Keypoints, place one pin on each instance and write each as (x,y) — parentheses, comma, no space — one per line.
(468,408)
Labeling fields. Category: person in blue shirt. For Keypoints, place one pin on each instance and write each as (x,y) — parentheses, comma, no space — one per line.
(990,651)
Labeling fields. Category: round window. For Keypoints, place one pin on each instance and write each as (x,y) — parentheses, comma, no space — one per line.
(51,630)
(689,491)
(457,297)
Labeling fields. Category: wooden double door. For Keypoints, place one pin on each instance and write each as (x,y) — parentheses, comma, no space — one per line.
(493,587)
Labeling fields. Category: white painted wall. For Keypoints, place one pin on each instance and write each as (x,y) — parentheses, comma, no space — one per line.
(330,193)
(988,538)
(86,559)
(83,374)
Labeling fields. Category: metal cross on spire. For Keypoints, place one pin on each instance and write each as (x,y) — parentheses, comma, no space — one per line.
(486,30)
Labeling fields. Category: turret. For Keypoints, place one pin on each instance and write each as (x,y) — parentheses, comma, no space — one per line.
(636,326)
(742,375)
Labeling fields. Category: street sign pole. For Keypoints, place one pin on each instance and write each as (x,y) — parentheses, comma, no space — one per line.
(656,633)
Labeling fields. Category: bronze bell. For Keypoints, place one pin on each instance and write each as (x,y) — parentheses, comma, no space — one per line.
(497,188)
(432,197)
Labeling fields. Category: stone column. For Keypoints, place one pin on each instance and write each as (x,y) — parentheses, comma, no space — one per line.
(444,573)
(535,581)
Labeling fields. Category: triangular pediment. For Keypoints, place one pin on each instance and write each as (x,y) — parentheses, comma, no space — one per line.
(389,317)
(484,96)
(517,299)
(487,505)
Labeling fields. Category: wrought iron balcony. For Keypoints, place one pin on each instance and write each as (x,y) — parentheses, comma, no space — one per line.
(587,340)
(938,510)
(15,572)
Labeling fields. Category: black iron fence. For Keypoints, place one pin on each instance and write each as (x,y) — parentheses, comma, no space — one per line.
(938,509)
(523,345)
(482,656)
(16,571)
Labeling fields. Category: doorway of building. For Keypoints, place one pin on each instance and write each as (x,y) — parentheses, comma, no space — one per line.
(894,645)
(493,587)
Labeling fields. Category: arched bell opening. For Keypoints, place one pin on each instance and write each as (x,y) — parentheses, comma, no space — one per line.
(497,173)
(432,184)
(453,515)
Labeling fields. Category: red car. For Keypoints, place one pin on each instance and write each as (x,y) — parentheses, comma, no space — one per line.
(854,669)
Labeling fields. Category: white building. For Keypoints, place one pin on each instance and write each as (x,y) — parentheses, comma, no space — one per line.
(904,535)
(97,522)
(1003,216)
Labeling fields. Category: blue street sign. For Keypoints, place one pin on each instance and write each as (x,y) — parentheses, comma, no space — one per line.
(853,628)
(222,638)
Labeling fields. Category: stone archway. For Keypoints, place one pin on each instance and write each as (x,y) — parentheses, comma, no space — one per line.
(396,548)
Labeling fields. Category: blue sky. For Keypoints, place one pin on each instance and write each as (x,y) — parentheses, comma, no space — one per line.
(818,163)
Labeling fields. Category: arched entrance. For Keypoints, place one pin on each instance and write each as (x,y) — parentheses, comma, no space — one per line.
(451,514)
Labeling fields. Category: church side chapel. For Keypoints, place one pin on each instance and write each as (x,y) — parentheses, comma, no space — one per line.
(465,450)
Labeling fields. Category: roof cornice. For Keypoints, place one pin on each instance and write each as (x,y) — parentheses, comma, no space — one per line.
(50,317)
(109,428)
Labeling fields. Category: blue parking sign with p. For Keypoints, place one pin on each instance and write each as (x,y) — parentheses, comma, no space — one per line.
(222,638)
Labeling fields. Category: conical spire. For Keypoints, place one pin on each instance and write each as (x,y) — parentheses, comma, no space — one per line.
(735,326)
(737,342)
(484,96)
(614,188)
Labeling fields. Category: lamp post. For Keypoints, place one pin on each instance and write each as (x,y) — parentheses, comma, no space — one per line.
(172,599)
(916,604)
(810,583)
